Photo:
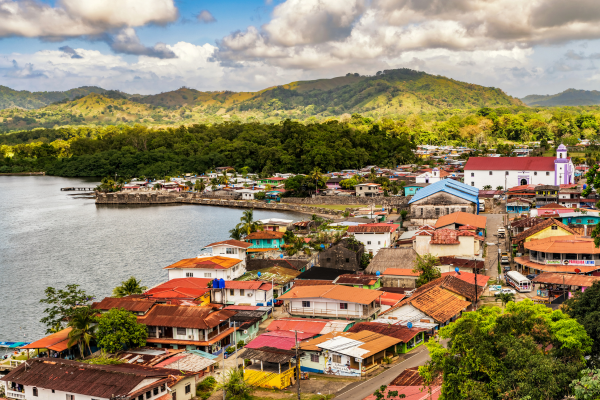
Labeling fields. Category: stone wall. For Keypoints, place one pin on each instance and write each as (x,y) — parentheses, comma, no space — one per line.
(348,200)
(152,198)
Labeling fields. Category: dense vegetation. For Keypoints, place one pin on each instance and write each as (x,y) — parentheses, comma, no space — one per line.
(570,97)
(139,151)
(30,100)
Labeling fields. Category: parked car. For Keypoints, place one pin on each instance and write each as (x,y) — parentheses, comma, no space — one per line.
(531,276)
(501,232)
(504,258)
(508,290)
(506,268)
(481,207)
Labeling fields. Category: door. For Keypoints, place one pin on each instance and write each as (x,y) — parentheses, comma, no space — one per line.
(523,181)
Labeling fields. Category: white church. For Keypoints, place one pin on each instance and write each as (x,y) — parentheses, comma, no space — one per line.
(516,171)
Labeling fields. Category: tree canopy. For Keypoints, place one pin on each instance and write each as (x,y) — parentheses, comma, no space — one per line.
(129,287)
(62,304)
(118,328)
(585,308)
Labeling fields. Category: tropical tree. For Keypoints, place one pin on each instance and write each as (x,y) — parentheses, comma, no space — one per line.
(62,304)
(234,385)
(525,351)
(83,327)
(317,177)
(487,187)
(499,187)
(223,180)
(129,287)
(585,308)
(588,386)
(199,186)
(118,328)
(505,298)
(247,224)
(426,267)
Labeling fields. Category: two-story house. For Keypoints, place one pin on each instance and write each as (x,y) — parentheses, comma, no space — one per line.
(265,241)
(230,248)
(189,327)
(368,190)
(276,224)
(245,293)
(375,236)
(332,301)
(207,266)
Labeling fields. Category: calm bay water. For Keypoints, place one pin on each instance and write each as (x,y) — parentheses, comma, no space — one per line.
(49,238)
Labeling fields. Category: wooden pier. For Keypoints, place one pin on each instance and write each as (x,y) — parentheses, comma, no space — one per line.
(82,189)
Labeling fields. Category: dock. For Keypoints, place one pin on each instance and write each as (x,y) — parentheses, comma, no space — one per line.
(81,189)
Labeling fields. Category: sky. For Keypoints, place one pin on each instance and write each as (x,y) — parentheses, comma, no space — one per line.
(151,46)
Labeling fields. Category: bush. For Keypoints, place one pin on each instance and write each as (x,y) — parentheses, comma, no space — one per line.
(206,386)
(230,350)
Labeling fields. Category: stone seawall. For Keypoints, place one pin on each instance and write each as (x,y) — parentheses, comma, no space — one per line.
(349,200)
(155,198)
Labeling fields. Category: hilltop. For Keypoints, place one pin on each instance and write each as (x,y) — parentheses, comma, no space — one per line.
(31,100)
(394,93)
(570,97)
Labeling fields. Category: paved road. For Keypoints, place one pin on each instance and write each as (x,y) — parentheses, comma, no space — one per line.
(360,390)
(494,221)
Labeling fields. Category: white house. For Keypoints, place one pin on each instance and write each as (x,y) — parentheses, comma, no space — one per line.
(432,177)
(516,171)
(332,301)
(448,242)
(248,194)
(57,379)
(208,266)
(375,236)
(230,248)
(243,293)
(368,190)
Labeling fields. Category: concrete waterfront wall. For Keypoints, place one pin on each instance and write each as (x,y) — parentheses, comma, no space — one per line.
(155,198)
(348,200)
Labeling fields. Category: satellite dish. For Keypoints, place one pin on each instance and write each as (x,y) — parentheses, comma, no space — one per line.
(456,269)
(259,274)
(409,325)
(377,273)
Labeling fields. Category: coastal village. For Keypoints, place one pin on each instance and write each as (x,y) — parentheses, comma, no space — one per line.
(340,302)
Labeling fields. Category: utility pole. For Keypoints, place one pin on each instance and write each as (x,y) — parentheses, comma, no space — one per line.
(297,364)
(475,271)
(235,344)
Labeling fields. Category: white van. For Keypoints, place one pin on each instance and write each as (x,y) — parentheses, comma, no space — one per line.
(481,207)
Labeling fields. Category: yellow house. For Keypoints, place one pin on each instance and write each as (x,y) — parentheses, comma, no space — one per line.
(271,368)
(545,229)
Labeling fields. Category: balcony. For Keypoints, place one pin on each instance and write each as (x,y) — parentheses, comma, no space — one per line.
(11,394)
(353,314)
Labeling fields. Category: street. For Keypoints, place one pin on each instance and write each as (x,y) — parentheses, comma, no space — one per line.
(360,390)
(494,221)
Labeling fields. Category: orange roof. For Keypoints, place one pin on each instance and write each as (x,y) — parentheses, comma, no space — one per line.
(333,292)
(400,272)
(462,218)
(57,341)
(439,304)
(469,277)
(216,262)
(555,268)
(564,244)
(265,235)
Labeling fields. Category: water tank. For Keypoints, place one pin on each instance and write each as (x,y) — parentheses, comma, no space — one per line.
(215,283)
(221,283)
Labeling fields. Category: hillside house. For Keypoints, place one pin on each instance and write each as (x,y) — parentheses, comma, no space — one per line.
(246,293)
(276,224)
(205,266)
(265,241)
(375,236)
(458,220)
(410,189)
(230,248)
(433,176)
(368,190)
(448,242)
(542,230)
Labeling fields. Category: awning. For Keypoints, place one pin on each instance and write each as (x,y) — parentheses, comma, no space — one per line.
(57,341)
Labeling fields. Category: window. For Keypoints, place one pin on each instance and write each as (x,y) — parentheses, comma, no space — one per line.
(447,210)
(590,221)
(189,274)
(314,358)
(306,304)
(328,259)
(231,292)
(472,174)
(547,173)
(155,391)
(141,397)
(35,392)
(506,173)
(463,209)
(379,242)
(343,306)
(181,331)
(437,212)
(535,173)
(361,188)
(162,389)
(472,183)
(490,172)
(241,292)
(72,396)
(173,396)
(230,250)
(348,260)
(148,394)
(336,358)
(577,221)
(368,242)
(554,227)
(421,212)
(207,274)
(188,388)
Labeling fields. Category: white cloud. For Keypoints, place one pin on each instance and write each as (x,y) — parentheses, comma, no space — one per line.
(206,17)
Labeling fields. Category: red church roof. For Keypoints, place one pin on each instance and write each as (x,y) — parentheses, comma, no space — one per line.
(510,164)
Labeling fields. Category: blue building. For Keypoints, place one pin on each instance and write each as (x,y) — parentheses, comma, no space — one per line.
(411,189)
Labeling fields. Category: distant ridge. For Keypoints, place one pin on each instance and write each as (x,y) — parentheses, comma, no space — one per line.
(570,97)
(32,100)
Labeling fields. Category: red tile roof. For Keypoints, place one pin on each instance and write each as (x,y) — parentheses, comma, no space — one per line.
(510,164)
(375,228)
(216,262)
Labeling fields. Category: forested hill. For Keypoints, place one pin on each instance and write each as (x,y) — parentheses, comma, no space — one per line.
(394,93)
(570,97)
(32,100)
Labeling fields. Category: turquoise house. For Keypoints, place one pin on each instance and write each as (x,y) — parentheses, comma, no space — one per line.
(577,218)
(265,240)
(410,190)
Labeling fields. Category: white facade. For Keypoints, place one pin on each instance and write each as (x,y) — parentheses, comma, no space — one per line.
(247,297)
(368,190)
(231,252)
(469,246)
(374,241)
(226,274)
(429,177)
(331,308)
(507,178)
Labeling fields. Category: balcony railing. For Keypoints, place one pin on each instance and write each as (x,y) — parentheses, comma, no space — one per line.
(334,313)
(11,394)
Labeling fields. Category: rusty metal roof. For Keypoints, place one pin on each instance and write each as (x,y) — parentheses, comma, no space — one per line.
(185,316)
(57,341)
(439,304)
(311,282)
(351,279)
(269,354)
(462,218)
(333,292)
(373,228)
(129,304)
(215,262)
(265,235)
(249,285)
(231,242)
(566,279)
(396,331)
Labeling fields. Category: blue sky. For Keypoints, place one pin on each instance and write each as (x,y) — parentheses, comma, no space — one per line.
(149,46)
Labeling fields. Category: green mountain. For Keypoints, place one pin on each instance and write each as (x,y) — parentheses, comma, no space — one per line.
(393,93)
(31,100)
(570,97)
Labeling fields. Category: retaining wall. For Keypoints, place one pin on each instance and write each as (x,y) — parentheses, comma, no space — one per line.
(348,200)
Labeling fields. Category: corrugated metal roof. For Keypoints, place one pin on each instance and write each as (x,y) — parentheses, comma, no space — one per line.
(269,354)
(333,292)
(566,279)
(400,272)
(450,186)
(232,243)
(361,344)
(57,341)
(200,283)
(396,331)
(130,304)
(462,218)
(309,326)
(374,228)
(187,362)
(185,316)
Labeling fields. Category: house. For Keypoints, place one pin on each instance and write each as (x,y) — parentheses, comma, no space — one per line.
(284,340)
(449,264)
(519,206)
(247,293)
(546,194)
(582,218)
(230,248)
(299,263)
(460,219)
(191,328)
(282,278)
(564,254)
(433,176)
(569,196)
(519,225)
(390,299)
(372,282)
(448,242)
(180,290)
(347,354)
(269,367)
(345,255)
(205,266)
(412,188)
(248,194)
(517,171)
(410,338)
(547,228)
(332,301)
(276,224)
(52,378)
(247,320)
(56,344)
(134,305)
(442,198)
(265,241)
(312,326)
(368,190)
(400,277)
(273,181)
(375,236)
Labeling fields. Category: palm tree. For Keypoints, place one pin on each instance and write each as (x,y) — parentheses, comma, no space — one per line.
(223,179)
(316,176)
(128,287)
(200,185)
(499,187)
(247,224)
(487,187)
(505,298)
(83,326)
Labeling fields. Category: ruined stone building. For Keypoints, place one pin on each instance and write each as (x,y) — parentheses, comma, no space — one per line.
(345,255)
